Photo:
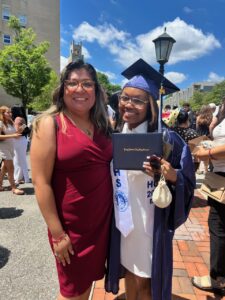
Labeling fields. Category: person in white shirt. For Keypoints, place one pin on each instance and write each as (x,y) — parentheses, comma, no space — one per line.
(215,281)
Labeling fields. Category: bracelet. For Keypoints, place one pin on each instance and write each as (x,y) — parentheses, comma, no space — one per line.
(60,238)
(211,156)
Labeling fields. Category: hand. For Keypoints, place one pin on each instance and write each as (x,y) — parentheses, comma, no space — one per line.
(16,135)
(62,250)
(166,169)
(201,153)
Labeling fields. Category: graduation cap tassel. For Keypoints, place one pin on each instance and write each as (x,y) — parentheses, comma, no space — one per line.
(161,93)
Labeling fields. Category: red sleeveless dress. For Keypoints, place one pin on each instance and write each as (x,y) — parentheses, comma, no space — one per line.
(82,187)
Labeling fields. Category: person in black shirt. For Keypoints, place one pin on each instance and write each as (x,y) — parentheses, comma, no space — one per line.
(183,127)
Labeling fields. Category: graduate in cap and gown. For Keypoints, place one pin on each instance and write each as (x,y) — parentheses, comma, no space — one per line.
(142,233)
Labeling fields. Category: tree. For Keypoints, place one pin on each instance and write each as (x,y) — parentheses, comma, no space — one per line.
(24,70)
(44,100)
(197,100)
(204,98)
(216,94)
(109,88)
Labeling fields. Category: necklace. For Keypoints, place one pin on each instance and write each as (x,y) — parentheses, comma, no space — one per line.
(87,131)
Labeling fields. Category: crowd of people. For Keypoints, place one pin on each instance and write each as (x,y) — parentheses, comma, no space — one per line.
(102,221)
(13,150)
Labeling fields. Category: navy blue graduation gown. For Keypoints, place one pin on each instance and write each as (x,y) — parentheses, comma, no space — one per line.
(165,222)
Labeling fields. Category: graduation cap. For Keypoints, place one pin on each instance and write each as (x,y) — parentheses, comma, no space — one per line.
(142,75)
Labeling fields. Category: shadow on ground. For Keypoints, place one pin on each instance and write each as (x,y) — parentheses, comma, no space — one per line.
(199,202)
(199,183)
(174,297)
(28,190)
(4,256)
(214,297)
(10,212)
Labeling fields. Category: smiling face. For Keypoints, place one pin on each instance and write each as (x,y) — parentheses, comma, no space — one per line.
(79,98)
(131,113)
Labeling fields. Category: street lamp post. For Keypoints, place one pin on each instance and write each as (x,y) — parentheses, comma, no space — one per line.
(163,47)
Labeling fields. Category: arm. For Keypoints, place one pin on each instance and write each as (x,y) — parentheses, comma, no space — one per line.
(217,152)
(212,125)
(7,136)
(42,163)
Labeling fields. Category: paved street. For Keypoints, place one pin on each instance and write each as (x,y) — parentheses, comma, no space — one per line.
(27,270)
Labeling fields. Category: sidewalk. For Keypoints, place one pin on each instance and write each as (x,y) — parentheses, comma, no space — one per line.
(191,256)
(27,266)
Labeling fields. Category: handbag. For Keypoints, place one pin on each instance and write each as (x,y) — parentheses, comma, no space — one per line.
(214,186)
(162,196)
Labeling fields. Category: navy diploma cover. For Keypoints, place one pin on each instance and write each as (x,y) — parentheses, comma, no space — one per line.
(130,149)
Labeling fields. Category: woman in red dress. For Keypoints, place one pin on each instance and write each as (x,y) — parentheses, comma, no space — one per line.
(71,152)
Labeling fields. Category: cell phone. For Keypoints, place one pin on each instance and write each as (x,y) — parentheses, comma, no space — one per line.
(156,167)
(155,162)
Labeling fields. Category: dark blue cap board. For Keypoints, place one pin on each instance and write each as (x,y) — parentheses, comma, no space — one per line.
(153,78)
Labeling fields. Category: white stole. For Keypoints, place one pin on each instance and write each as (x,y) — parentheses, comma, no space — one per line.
(122,208)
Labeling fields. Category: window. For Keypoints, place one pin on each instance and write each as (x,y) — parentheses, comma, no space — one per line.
(23,20)
(6,39)
(5,13)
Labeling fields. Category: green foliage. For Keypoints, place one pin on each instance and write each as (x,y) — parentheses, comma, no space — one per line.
(216,94)
(203,98)
(24,70)
(197,100)
(44,100)
(109,88)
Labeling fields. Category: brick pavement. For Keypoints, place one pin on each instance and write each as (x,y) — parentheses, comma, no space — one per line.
(191,257)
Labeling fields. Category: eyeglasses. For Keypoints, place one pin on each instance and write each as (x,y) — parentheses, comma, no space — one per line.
(135,101)
(85,84)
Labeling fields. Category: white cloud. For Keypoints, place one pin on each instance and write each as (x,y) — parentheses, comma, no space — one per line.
(187,10)
(191,43)
(63,62)
(111,76)
(86,53)
(213,77)
(176,77)
(63,41)
(103,34)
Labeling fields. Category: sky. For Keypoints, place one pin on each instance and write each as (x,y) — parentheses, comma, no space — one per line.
(116,33)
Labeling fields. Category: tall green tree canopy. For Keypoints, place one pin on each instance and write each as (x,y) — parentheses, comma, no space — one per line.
(109,87)
(215,96)
(44,100)
(24,70)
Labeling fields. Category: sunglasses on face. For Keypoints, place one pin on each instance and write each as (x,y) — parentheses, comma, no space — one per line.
(85,84)
(135,101)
